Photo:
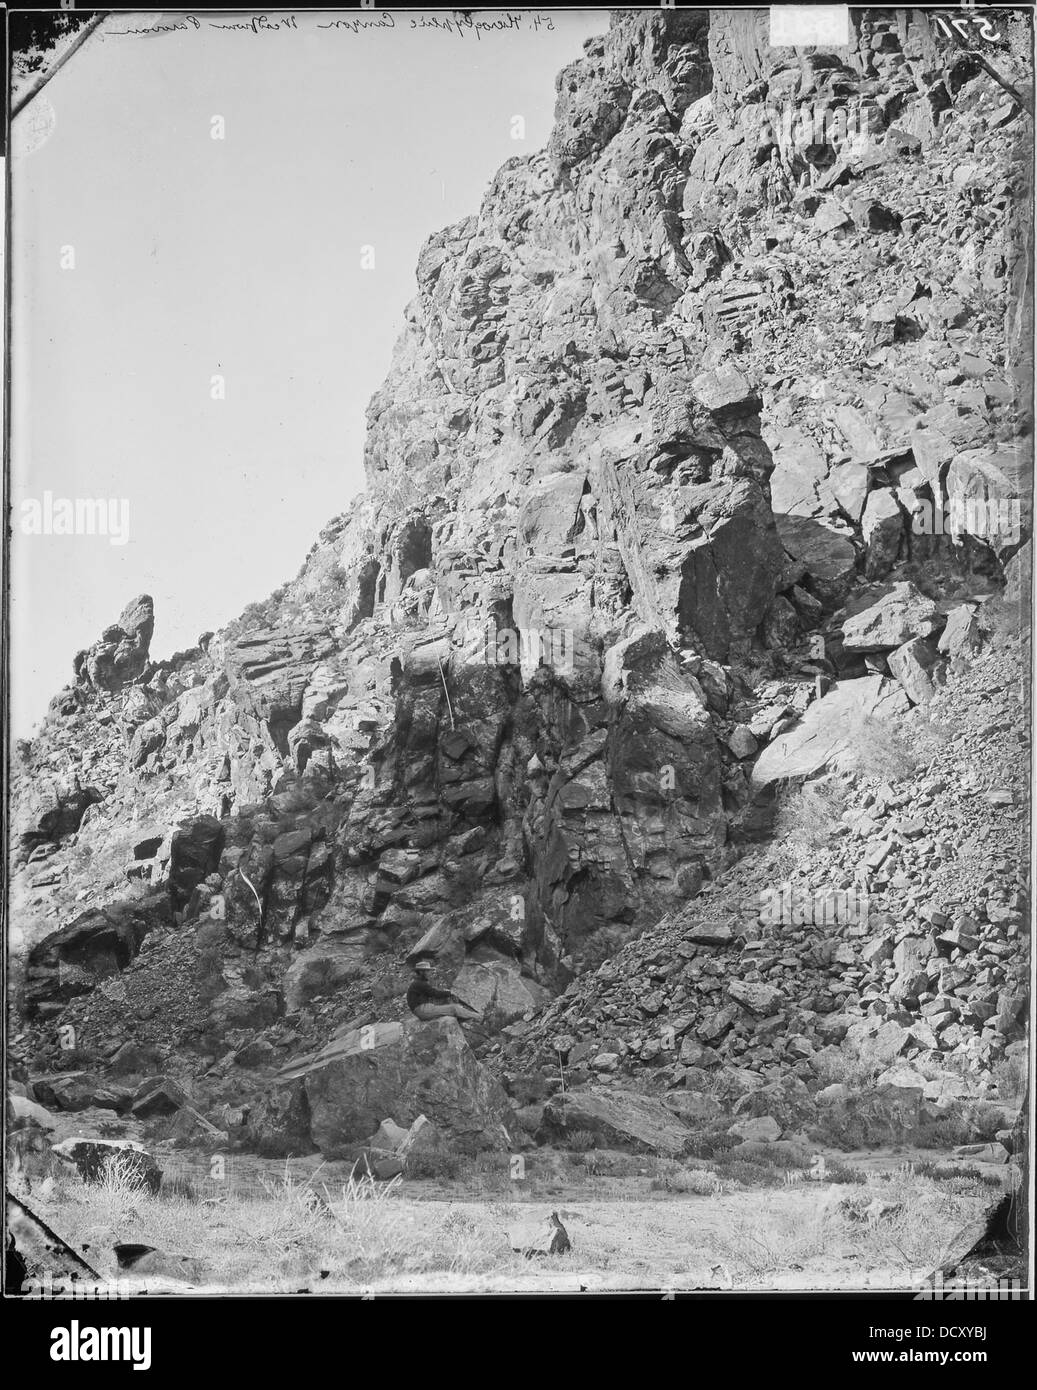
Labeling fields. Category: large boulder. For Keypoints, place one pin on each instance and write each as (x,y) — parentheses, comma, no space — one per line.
(960,638)
(830,731)
(404,1070)
(619,1118)
(902,613)
(80,1090)
(97,1160)
(917,666)
(762,1130)
(278,1124)
(498,990)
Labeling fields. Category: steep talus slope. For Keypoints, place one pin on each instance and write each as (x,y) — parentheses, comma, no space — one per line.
(902,900)
(666,418)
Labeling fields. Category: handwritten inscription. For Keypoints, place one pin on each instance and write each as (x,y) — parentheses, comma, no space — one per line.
(944,24)
(460,23)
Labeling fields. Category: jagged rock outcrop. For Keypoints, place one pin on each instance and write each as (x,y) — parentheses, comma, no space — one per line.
(659,501)
(52,816)
(899,938)
(121,655)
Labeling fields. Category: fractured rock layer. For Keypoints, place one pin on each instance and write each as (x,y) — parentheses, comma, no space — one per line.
(662,459)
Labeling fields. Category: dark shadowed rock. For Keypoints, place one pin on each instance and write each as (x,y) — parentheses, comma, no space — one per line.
(145,1262)
(80,1090)
(194,854)
(98,944)
(158,1095)
(95,1160)
(827,557)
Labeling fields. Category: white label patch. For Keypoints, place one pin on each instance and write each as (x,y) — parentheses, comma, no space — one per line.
(806,26)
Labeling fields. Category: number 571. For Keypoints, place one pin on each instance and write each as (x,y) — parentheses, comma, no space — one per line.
(945,25)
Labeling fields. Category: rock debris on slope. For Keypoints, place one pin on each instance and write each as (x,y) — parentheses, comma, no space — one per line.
(655,529)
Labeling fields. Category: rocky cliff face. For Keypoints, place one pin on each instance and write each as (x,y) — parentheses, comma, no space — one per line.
(667,416)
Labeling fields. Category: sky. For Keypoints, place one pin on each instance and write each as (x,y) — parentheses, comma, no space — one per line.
(148,258)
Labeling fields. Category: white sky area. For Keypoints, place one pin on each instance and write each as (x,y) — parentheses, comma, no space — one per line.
(239,257)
